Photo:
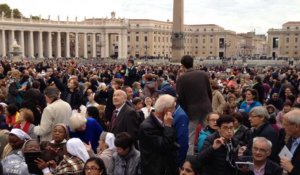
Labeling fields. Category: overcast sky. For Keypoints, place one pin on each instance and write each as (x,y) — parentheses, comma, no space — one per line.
(236,15)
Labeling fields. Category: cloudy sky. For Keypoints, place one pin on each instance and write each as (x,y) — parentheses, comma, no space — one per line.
(236,15)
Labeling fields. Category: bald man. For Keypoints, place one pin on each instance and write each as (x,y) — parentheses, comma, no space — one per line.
(125,118)
(291,125)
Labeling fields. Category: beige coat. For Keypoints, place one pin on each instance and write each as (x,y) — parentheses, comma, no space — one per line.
(218,101)
(57,112)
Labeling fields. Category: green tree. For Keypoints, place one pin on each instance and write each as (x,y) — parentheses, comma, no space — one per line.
(17,13)
(6,9)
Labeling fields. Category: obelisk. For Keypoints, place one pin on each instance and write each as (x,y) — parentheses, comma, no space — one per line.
(178,31)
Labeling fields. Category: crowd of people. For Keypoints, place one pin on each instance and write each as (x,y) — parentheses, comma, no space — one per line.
(68,117)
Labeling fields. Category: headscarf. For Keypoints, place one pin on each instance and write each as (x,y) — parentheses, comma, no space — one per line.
(20,134)
(66,129)
(109,139)
(76,148)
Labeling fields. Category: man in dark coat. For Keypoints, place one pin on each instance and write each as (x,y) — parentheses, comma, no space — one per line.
(291,124)
(130,73)
(157,140)
(125,118)
(261,150)
(194,96)
(219,151)
(259,117)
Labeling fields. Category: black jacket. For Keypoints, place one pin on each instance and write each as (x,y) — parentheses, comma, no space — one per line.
(295,159)
(127,121)
(217,162)
(158,148)
(267,131)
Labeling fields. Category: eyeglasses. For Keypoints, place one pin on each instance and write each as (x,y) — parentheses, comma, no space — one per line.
(261,150)
(227,128)
(91,169)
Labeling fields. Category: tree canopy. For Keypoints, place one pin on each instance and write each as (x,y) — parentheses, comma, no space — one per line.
(7,11)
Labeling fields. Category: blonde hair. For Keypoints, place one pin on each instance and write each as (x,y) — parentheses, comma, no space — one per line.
(27,114)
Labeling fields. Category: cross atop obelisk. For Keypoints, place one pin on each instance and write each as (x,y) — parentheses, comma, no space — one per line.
(178,31)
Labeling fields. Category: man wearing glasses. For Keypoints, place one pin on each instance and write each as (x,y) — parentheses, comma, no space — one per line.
(261,150)
(220,149)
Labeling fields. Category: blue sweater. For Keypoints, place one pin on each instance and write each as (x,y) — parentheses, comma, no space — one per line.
(244,106)
(181,125)
(91,134)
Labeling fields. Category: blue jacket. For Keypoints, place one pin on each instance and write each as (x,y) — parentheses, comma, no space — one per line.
(181,125)
(91,134)
(244,107)
(202,136)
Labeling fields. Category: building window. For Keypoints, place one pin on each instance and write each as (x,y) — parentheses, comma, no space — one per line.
(203,47)
(203,40)
(137,25)
(212,30)
(286,52)
(196,53)
(146,38)
(296,40)
(287,40)
(210,52)
(297,28)
(287,47)
(211,40)
(117,38)
(196,41)
(128,38)
(296,47)
(288,28)
(137,38)
(204,30)
(155,39)
(136,32)
(89,38)
(296,53)
(275,42)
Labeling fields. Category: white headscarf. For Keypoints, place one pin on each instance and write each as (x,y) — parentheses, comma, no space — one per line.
(76,148)
(110,140)
(20,134)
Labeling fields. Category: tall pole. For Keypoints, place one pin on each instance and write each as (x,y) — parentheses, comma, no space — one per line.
(178,31)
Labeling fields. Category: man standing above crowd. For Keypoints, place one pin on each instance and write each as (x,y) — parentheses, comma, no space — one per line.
(194,95)
(130,73)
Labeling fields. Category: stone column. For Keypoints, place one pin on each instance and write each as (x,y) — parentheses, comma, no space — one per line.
(120,45)
(102,43)
(178,31)
(49,44)
(67,44)
(58,54)
(94,45)
(106,40)
(41,45)
(124,44)
(22,43)
(76,45)
(85,45)
(12,39)
(31,45)
(3,43)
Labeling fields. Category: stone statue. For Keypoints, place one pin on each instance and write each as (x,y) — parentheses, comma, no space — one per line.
(12,14)
(76,19)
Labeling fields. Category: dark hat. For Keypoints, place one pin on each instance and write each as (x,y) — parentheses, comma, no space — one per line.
(168,90)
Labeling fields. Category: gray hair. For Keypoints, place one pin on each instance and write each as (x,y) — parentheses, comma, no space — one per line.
(52,92)
(122,92)
(163,102)
(260,111)
(293,117)
(263,139)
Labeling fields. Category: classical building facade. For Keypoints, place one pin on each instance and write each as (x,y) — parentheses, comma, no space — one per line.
(123,38)
(284,42)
